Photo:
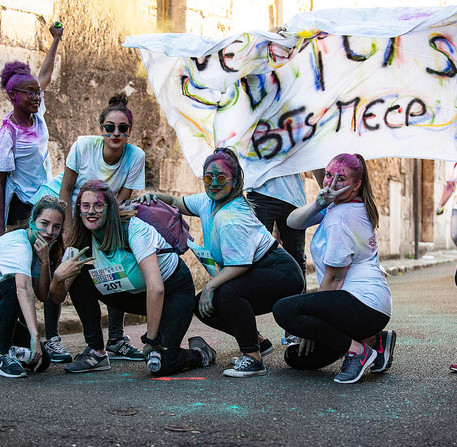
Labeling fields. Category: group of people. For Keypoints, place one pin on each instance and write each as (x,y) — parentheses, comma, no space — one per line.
(65,234)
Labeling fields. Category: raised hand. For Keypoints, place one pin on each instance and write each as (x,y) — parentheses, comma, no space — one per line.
(328,194)
(72,266)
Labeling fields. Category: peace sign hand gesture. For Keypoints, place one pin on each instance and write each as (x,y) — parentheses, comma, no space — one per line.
(72,266)
(328,194)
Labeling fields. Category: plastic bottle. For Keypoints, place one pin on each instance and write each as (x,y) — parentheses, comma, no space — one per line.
(19,353)
(154,361)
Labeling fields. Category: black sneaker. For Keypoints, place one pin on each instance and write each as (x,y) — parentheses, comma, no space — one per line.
(10,367)
(385,344)
(266,348)
(124,350)
(88,361)
(354,365)
(56,351)
(207,352)
(246,366)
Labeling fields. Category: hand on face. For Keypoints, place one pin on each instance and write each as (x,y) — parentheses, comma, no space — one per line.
(328,194)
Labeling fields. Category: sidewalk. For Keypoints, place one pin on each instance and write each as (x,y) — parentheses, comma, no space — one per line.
(70,323)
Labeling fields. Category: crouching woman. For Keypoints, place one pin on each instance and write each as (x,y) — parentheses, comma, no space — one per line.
(130,275)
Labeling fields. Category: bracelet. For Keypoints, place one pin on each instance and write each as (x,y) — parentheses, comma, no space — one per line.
(59,276)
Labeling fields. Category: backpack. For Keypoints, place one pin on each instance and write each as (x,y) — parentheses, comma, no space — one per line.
(167,220)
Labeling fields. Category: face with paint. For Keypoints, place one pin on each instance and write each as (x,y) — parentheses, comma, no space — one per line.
(93,210)
(114,139)
(218,180)
(19,97)
(48,225)
(345,177)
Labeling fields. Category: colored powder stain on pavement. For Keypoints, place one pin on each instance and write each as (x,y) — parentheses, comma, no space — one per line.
(168,379)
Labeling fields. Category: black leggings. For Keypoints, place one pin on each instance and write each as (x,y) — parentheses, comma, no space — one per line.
(238,301)
(332,319)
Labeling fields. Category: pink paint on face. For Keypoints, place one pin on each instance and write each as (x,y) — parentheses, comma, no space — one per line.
(93,220)
(345,177)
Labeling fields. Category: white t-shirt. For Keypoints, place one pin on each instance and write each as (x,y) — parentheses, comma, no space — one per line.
(288,188)
(345,238)
(144,240)
(86,159)
(25,157)
(451,176)
(17,255)
(234,235)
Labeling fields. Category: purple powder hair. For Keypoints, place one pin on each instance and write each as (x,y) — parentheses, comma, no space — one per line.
(228,157)
(352,162)
(14,73)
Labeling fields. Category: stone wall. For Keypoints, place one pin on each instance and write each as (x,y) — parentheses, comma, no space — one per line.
(91,66)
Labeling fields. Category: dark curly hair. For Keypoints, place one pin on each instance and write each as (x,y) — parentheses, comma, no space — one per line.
(118,102)
(14,68)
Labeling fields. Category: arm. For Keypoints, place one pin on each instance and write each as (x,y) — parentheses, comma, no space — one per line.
(65,275)
(334,278)
(41,284)
(124,194)
(448,190)
(47,68)
(306,216)
(149,267)
(66,193)
(205,305)
(167,198)
(2,202)
(25,297)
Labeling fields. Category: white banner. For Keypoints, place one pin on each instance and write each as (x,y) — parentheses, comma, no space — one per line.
(380,82)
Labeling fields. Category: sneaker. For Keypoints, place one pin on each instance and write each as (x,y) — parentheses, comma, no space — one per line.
(124,350)
(88,361)
(354,365)
(10,367)
(453,367)
(385,344)
(246,366)
(207,352)
(56,351)
(266,348)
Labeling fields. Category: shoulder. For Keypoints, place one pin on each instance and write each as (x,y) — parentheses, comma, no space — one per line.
(198,203)
(137,227)
(233,212)
(134,151)
(88,142)
(17,238)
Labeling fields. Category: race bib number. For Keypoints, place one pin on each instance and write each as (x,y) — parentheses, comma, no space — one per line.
(111,279)
(204,256)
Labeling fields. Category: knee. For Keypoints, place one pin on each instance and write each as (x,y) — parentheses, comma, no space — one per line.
(282,312)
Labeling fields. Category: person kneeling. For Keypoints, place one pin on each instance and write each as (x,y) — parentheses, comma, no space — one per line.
(130,275)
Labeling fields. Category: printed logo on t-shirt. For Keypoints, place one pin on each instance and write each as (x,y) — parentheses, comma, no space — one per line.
(373,243)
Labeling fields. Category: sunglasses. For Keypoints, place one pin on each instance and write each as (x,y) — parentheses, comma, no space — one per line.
(98,207)
(31,94)
(51,199)
(221,179)
(123,127)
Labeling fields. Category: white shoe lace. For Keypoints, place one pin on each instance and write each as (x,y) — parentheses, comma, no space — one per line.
(243,362)
(55,346)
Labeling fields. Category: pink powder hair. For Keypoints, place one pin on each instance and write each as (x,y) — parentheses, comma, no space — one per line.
(14,73)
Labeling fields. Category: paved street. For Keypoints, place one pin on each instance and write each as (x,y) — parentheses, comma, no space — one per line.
(414,404)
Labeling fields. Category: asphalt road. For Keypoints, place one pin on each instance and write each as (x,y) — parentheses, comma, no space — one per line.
(412,405)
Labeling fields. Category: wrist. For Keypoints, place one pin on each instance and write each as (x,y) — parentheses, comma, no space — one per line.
(59,277)
(154,342)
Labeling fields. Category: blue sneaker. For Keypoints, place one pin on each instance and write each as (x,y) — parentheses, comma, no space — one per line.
(246,366)
(124,350)
(10,367)
(56,351)
(88,361)
(354,365)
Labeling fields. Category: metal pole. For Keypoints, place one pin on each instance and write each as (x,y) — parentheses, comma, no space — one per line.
(416,207)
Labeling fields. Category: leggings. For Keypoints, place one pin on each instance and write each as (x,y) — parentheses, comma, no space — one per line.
(332,319)
(178,304)
(238,301)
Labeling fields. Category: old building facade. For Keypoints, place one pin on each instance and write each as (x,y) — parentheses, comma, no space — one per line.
(92,65)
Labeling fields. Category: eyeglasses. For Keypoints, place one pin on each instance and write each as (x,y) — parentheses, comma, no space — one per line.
(221,179)
(51,199)
(98,207)
(31,94)
(123,127)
